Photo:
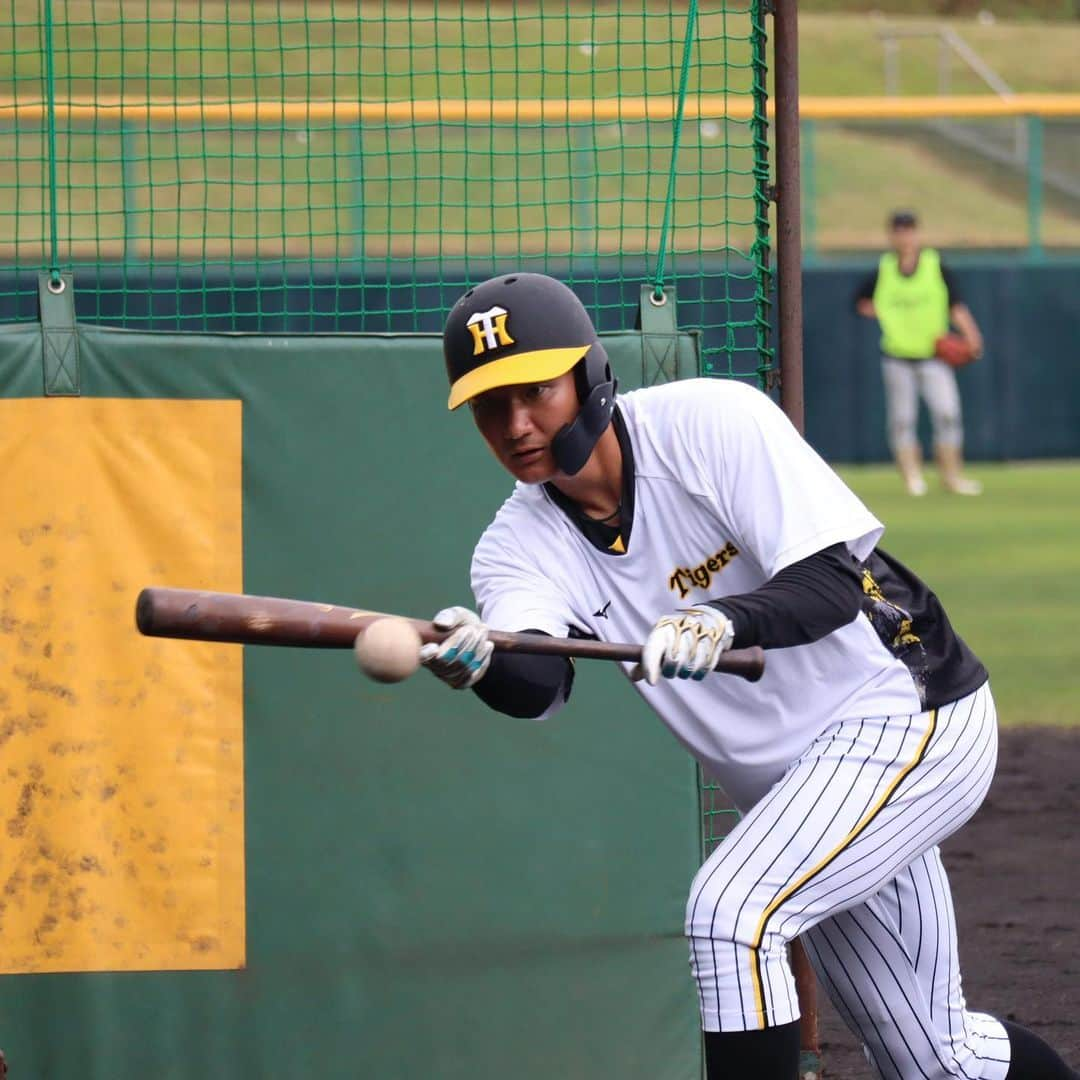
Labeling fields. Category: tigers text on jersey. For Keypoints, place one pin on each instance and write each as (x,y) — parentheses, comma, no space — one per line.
(725,495)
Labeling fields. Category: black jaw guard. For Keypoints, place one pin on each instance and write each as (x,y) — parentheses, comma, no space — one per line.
(573,444)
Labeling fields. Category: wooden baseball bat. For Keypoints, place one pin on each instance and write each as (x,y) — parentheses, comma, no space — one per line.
(273,620)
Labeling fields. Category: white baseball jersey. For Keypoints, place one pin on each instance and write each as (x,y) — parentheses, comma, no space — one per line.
(726,494)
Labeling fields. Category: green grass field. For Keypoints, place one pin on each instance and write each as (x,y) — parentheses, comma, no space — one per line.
(1007,567)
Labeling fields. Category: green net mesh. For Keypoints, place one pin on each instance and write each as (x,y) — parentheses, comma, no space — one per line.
(718,813)
(339,166)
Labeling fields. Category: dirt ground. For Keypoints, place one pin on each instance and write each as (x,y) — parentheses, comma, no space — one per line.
(1015,872)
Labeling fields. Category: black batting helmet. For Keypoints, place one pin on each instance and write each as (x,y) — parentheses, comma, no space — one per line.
(527,328)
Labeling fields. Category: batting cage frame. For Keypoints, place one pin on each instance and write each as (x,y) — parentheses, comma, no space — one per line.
(786,194)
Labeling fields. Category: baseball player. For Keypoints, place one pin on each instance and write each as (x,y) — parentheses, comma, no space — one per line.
(693,517)
(914,299)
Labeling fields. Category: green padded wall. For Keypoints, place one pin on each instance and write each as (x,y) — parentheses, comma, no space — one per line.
(431,889)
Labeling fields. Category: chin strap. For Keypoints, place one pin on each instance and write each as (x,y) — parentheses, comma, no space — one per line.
(574,443)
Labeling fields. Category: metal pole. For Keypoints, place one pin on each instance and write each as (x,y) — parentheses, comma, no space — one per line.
(788,210)
(583,232)
(1035,185)
(789,314)
(809,186)
(890,47)
(130,180)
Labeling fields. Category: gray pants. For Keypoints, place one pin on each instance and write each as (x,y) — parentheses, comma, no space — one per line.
(935,381)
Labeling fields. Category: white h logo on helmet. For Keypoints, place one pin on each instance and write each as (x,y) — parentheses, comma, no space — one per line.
(488,329)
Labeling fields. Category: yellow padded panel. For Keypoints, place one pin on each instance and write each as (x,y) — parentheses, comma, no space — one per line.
(122,804)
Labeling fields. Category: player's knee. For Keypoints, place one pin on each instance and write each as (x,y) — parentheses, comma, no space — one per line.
(901,435)
(948,428)
(715,923)
(718,911)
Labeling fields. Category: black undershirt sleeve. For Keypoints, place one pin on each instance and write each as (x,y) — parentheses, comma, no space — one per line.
(523,685)
(865,290)
(950,285)
(800,604)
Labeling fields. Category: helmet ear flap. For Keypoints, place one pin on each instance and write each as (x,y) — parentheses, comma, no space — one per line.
(593,371)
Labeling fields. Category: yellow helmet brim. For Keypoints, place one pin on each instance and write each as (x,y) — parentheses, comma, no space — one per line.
(531,367)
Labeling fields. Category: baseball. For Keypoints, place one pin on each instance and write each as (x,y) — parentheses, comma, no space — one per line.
(388,650)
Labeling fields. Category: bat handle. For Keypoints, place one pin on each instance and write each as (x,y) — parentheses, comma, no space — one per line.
(747,663)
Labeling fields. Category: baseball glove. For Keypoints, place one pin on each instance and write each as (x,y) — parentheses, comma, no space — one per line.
(954,350)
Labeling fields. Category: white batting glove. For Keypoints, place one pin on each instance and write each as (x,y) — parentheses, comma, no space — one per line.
(462,659)
(685,645)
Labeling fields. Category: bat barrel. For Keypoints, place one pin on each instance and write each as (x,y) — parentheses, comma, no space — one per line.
(244,619)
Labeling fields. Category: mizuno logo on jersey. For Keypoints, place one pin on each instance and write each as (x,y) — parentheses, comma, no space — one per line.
(488,329)
(686,578)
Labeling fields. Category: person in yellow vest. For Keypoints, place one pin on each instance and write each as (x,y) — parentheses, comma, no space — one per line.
(915,300)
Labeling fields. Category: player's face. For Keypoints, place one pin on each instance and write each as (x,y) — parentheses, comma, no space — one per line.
(519,423)
(905,240)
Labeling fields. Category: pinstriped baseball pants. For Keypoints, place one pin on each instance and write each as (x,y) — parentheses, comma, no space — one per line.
(843,850)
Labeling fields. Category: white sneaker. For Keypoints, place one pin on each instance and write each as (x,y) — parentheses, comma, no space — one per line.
(915,485)
(964,486)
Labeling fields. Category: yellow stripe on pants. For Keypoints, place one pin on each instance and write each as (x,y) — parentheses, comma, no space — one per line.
(759,933)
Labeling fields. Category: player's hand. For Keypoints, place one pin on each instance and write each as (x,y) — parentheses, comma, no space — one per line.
(685,645)
(462,659)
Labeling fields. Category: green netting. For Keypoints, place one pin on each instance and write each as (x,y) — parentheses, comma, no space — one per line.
(718,814)
(343,166)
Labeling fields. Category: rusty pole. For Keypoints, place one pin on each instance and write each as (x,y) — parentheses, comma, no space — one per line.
(789,317)
(789,311)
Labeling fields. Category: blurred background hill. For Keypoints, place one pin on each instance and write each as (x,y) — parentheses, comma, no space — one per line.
(1048,10)
(842,52)
(972,177)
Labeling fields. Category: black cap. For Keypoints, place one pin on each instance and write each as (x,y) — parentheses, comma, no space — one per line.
(511,329)
(902,219)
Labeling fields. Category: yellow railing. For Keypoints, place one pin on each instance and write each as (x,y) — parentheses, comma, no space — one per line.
(128,117)
(529,111)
